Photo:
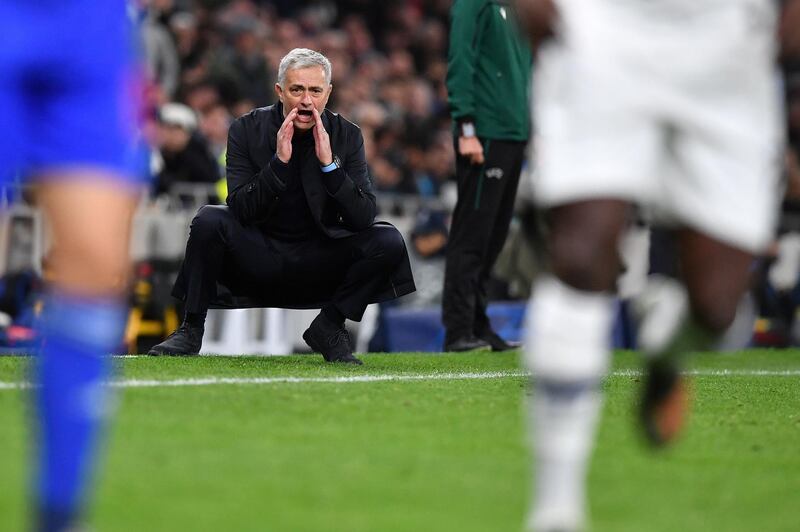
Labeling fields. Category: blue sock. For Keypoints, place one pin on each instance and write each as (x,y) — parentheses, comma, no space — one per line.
(78,334)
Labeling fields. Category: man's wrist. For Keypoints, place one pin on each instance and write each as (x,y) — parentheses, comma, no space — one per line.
(466,128)
(333,165)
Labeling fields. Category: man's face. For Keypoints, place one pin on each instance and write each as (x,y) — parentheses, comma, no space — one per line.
(304,88)
(173,138)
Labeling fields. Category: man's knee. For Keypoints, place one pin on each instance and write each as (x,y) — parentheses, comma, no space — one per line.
(714,309)
(387,244)
(585,262)
(210,221)
(583,244)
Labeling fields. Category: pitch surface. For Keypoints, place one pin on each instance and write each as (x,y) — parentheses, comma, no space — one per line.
(413,442)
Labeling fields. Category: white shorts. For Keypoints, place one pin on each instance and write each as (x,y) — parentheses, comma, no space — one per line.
(666,104)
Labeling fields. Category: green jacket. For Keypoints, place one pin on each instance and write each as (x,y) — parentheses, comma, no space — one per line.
(488,69)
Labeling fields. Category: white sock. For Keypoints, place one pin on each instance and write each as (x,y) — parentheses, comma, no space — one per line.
(568,351)
(563,434)
(661,309)
(667,329)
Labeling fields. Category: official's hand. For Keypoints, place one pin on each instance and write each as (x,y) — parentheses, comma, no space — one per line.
(470,147)
(322,142)
(538,18)
(789,30)
(285,134)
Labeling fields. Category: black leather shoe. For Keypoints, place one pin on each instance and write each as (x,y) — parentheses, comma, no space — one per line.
(331,341)
(470,343)
(496,342)
(185,341)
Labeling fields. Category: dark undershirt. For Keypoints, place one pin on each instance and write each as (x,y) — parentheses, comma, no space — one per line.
(292,221)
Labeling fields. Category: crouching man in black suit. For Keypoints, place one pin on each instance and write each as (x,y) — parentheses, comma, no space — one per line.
(299,227)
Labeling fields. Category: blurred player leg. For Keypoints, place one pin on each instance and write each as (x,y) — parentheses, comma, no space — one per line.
(617,139)
(83,321)
(725,191)
(568,352)
(716,276)
(73,71)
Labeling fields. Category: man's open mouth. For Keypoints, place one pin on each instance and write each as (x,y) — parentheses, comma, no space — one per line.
(304,112)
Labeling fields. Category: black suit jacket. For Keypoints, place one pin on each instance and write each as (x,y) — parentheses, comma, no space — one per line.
(255,184)
(254,189)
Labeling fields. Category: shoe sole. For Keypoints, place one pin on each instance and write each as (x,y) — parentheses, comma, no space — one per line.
(154,353)
(504,349)
(473,350)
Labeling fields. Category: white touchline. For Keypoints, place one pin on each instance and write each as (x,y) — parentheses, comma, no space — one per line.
(211,381)
(215,381)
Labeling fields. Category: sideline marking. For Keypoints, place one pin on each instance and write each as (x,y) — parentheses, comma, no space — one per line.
(215,381)
(345,379)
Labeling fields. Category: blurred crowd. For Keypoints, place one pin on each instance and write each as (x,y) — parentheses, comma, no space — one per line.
(209,61)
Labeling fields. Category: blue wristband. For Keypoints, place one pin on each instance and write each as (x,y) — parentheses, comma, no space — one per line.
(330,168)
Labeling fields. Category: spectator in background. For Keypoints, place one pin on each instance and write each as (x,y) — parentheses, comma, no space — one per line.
(214,124)
(184,152)
(487,81)
(251,74)
(390,170)
(161,58)
(191,48)
(201,95)
(428,246)
(440,162)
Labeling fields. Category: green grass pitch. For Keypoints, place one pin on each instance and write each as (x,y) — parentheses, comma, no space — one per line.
(418,453)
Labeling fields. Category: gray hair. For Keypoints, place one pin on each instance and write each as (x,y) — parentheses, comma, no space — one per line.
(303,58)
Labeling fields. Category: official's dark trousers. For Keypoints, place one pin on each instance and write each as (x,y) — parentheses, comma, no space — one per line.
(478,231)
(345,271)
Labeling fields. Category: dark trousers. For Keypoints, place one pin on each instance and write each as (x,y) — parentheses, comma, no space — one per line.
(478,231)
(345,272)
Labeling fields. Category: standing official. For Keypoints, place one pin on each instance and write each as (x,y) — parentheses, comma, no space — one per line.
(487,80)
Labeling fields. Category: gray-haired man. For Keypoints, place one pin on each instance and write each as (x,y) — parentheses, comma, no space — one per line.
(299,227)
